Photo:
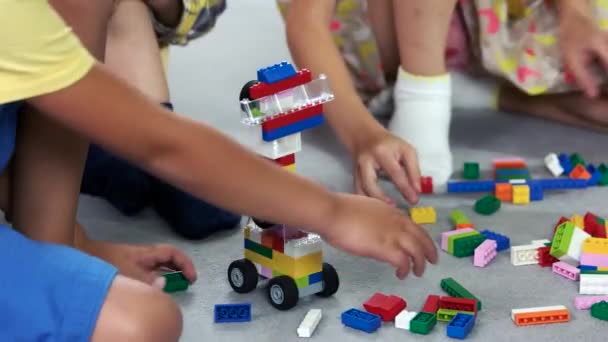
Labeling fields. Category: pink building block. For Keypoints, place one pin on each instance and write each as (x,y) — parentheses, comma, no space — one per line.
(485,253)
(599,260)
(566,270)
(585,302)
(265,272)
(446,235)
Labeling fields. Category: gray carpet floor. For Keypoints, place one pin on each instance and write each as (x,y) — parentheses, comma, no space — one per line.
(205,80)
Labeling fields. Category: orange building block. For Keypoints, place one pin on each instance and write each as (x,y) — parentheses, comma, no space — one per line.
(465,225)
(580,172)
(542,317)
(504,192)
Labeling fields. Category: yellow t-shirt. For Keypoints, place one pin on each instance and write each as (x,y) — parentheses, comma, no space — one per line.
(39,53)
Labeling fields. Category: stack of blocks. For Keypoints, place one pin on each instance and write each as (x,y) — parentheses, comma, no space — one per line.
(461,242)
(281,251)
(594,267)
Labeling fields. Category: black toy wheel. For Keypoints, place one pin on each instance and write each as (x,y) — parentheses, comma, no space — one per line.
(263,224)
(283,292)
(245,90)
(242,276)
(331,281)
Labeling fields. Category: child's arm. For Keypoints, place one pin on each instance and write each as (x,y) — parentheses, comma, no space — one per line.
(371,145)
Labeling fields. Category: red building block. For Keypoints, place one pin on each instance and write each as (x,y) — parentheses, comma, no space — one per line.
(278,244)
(431,305)
(458,304)
(561,220)
(387,307)
(580,172)
(593,227)
(289,118)
(286,160)
(544,258)
(261,89)
(426,185)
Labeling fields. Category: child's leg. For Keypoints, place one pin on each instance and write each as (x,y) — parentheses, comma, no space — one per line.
(422,92)
(133,53)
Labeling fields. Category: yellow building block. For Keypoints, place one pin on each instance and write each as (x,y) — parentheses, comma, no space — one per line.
(297,267)
(595,246)
(423,215)
(521,194)
(259,259)
(290,168)
(578,221)
(247,233)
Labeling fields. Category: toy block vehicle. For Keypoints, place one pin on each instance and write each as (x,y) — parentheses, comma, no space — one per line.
(278,106)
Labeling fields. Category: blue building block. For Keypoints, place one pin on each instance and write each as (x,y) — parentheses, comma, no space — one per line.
(361,320)
(276,73)
(295,127)
(232,313)
(502,242)
(315,278)
(471,186)
(560,183)
(536,192)
(596,175)
(564,161)
(460,326)
(587,268)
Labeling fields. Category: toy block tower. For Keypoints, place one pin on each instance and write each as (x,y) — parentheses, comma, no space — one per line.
(276,108)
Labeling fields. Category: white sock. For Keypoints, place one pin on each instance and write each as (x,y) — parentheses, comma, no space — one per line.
(472,93)
(422,118)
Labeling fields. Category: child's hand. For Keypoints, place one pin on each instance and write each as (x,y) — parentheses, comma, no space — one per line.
(368,227)
(387,153)
(582,43)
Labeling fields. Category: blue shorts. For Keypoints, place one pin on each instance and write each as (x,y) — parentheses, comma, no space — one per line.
(49,292)
(8,131)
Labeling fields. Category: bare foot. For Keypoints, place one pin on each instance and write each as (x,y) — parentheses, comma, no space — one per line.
(144,263)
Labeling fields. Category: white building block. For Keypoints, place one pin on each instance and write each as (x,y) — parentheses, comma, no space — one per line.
(536,309)
(524,255)
(309,323)
(403,319)
(576,246)
(553,165)
(593,284)
(304,246)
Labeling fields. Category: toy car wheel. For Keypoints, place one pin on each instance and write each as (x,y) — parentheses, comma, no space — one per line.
(245,90)
(262,224)
(283,292)
(331,281)
(242,276)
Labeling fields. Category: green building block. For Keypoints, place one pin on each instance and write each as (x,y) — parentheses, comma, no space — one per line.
(453,238)
(256,112)
(603,168)
(458,217)
(604,179)
(257,248)
(601,221)
(466,246)
(599,310)
(454,289)
(423,323)
(561,239)
(575,159)
(594,272)
(471,170)
(446,315)
(487,205)
(517,173)
(175,281)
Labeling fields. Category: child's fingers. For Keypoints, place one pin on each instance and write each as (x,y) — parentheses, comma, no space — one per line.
(409,158)
(169,255)
(411,246)
(584,79)
(428,247)
(397,174)
(369,182)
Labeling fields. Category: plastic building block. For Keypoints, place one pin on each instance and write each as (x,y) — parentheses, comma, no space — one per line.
(403,319)
(560,183)
(263,89)
(502,242)
(426,185)
(175,281)
(452,239)
(599,260)
(460,326)
(540,315)
(603,169)
(521,194)
(471,186)
(276,73)
(524,255)
(508,163)
(509,174)
(544,258)
(504,192)
(585,302)
(564,162)
(566,270)
(596,175)
(251,137)
(361,320)
(567,242)
(431,305)
(576,159)
(559,223)
(387,307)
(580,172)
(458,217)
(454,289)
(464,226)
(296,127)
(423,323)
(423,215)
(294,117)
(536,192)
(600,310)
(232,313)
(595,246)
(484,253)
(553,165)
(286,160)
(446,315)
(593,284)
(594,225)
(471,170)
(445,238)
(578,221)
(309,323)
(487,205)
(458,304)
